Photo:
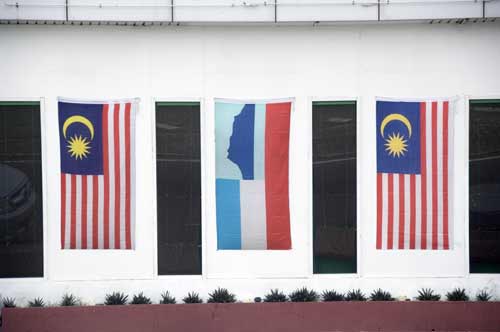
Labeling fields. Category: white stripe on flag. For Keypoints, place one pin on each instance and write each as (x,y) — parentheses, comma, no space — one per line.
(439,192)
(90,205)
(418,212)
(451,111)
(406,242)
(253,214)
(78,212)
(121,134)
(385,209)
(67,235)
(111,176)
(428,155)
(100,211)
(395,205)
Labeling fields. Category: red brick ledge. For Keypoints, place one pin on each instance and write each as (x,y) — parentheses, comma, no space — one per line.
(276,317)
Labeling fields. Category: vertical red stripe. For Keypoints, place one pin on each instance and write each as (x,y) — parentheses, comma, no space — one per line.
(401,235)
(73,212)
(84,212)
(277,135)
(95,216)
(105,151)
(390,201)
(379,210)
(423,179)
(128,239)
(446,244)
(63,209)
(412,211)
(434,192)
(116,132)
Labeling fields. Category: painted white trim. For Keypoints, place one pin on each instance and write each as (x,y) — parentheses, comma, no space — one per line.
(255,101)
(417,99)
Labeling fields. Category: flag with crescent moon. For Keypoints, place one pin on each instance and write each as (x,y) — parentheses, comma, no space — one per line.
(97,150)
(414,174)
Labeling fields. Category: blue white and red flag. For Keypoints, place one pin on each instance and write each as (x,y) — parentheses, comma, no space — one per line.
(252,145)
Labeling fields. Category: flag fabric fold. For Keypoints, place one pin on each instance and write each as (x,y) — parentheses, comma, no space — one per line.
(97,151)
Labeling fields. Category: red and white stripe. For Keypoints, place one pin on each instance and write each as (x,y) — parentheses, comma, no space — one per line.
(97,211)
(414,211)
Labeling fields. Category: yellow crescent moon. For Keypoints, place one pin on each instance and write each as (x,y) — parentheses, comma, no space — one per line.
(82,120)
(395,117)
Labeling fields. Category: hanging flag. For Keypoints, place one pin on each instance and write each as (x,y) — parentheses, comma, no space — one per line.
(97,147)
(252,175)
(414,174)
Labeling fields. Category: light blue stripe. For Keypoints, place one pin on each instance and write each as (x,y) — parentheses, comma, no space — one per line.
(228,212)
(259,141)
(224,118)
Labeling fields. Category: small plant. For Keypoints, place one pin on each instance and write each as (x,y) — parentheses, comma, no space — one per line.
(355,295)
(427,294)
(458,294)
(166,298)
(380,295)
(483,296)
(116,298)
(68,300)
(332,296)
(36,302)
(275,295)
(221,295)
(9,302)
(140,299)
(303,295)
(258,299)
(192,298)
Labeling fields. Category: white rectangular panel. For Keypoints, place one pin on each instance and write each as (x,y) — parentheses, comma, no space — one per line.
(112,10)
(32,10)
(411,10)
(339,10)
(223,11)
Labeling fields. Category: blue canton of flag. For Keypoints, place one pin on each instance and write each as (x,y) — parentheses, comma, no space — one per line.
(398,137)
(80,133)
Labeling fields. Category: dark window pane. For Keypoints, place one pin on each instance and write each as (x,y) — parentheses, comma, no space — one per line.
(334,187)
(178,175)
(484,186)
(21,208)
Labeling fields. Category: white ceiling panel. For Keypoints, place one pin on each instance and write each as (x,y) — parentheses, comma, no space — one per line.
(32,10)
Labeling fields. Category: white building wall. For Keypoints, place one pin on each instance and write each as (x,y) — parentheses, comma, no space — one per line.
(201,63)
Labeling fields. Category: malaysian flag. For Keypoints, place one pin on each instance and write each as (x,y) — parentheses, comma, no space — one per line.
(414,174)
(97,146)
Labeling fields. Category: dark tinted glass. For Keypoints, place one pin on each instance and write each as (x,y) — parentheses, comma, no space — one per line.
(484,186)
(334,187)
(178,176)
(21,208)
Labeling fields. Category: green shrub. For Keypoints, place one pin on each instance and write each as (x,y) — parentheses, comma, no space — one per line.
(483,296)
(427,294)
(355,295)
(458,294)
(192,298)
(166,298)
(221,295)
(116,298)
(36,302)
(332,296)
(68,300)
(9,302)
(275,295)
(380,295)
(140,299)
(303,295)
